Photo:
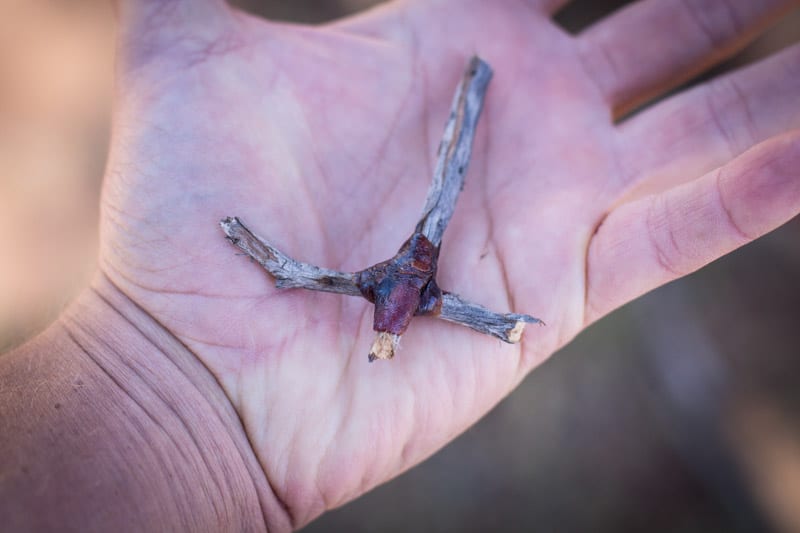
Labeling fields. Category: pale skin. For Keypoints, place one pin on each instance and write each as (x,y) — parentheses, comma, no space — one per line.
(323,140)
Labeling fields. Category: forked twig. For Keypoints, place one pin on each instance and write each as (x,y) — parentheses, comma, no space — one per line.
(405,285)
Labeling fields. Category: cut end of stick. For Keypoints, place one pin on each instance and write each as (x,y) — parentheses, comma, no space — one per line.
(384,346)
(514,335)
(516,332)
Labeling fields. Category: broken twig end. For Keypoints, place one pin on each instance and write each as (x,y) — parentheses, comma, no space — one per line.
(516,332)
(384,346)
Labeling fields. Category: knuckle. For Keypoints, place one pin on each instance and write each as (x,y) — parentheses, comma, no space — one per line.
(718,20)
(667,253)
(729,111)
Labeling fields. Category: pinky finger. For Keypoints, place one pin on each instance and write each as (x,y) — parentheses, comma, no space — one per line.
(656,239)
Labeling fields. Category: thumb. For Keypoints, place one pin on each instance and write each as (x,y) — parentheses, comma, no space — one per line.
(181,30)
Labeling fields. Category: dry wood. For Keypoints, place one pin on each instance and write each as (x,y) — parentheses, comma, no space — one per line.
(455,150)
(405,285)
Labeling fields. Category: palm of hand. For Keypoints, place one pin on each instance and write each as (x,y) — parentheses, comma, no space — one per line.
(323,140)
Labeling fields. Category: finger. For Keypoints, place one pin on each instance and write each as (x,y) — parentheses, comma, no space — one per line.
(656,239)
(699,130)
(150,28)
(653,45)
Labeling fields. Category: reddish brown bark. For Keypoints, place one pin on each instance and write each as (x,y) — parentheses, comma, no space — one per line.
(403,286)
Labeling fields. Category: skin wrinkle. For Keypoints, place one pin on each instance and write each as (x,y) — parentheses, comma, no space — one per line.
(662,257)
(363,485)
(714,113)
(309,508)
(405,458)
(136,423)
(199,49)
(355,348)
(406,412)
(309,130)
(366,229)
(119,384)
(325,457)
(309,194)
(225,43)
(286,458)
(339,320)
(145,46)
(587,302)
(315,480)
(729,218)
(625,185)
(352,352)
(719,41)
(250,443)
(175,292)
(165,402)
(342,418)
(617,192)
(139,244)
(582,53)
(156,85)
(283,494)
(369,228)
(209,344)
(617,98)
(410,438)
(749,119)
(107,268)
(491,236)
(491,239)
(634,168)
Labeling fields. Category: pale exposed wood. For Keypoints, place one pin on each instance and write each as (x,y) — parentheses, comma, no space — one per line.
(384,347)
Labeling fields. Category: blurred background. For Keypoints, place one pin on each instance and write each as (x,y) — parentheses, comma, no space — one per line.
(678,413)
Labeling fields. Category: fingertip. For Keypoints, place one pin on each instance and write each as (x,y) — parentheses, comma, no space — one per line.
(761,191)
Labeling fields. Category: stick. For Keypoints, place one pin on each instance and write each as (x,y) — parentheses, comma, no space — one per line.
(288,273)
(507,327)
(405,285)
(455,151)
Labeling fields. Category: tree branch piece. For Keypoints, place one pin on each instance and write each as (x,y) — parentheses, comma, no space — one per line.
(405,285)
(455,151)
(288,273)
(507,327)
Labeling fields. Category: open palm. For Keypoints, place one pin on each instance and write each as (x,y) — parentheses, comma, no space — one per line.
(323,139)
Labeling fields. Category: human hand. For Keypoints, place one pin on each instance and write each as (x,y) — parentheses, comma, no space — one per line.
(322,139)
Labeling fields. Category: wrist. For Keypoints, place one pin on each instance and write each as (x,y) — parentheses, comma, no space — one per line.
(138,431)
